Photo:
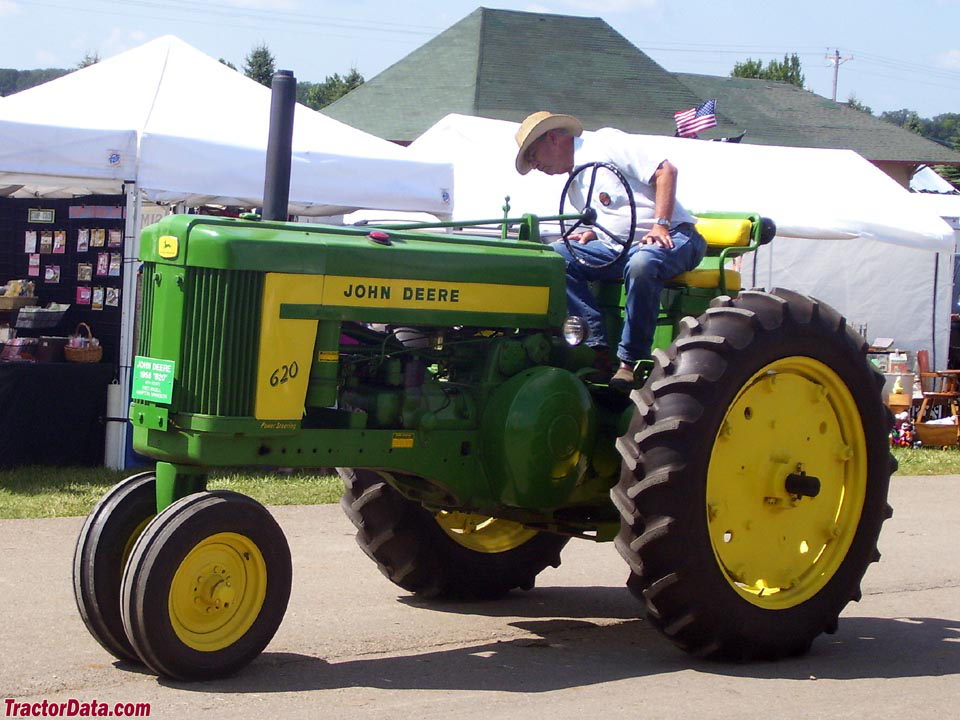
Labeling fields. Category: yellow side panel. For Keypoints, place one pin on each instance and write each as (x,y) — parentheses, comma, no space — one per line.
(431,295)
(286,347)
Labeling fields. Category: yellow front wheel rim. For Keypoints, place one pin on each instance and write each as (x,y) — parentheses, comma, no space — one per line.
(795,421)
(483,533)
(134,536)
(217,592)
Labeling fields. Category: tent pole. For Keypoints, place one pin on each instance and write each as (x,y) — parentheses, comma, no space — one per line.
(117,431)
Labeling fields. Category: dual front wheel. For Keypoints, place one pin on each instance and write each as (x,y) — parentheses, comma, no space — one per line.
(196,592)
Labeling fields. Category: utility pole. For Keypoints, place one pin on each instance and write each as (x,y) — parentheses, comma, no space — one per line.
(836,61)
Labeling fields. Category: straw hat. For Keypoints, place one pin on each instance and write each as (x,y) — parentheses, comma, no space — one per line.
(534,127)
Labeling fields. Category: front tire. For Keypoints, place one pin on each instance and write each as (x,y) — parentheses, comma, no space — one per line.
(206,586)
(755,477)
(102,551)
(443,554)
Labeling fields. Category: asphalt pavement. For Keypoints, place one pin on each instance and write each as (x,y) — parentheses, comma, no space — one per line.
(353,645)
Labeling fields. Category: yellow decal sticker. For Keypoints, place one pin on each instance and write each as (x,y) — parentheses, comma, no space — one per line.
(286,347)
(432,295)
(328,356)
(401,441)
(279,425)
(168,246)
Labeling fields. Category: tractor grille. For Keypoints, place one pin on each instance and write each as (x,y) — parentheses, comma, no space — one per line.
(221,333)
(145,300)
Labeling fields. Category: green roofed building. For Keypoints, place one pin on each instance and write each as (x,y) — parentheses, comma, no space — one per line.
(504,64)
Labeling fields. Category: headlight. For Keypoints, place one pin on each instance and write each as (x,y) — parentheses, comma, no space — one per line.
(574,330)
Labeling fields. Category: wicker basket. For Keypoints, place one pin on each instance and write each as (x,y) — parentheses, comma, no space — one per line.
(88,354)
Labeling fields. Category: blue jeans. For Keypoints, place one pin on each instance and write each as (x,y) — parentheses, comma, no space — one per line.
(644,270)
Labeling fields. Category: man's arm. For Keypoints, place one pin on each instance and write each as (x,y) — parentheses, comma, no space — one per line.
(664,181)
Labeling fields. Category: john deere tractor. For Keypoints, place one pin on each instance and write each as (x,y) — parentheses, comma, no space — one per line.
(745,483)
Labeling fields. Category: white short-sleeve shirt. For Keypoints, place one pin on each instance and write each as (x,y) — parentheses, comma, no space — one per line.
(609,196)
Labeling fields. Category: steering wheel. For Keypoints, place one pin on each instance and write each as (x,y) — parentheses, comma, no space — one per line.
(588,215)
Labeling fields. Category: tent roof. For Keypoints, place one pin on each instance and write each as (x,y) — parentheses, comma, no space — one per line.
(504,64)
(928,180)
(200,133)
(854,200)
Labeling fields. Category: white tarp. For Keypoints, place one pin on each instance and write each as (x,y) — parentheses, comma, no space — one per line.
(810,193)
(199,135)
(928,180)
(847,233)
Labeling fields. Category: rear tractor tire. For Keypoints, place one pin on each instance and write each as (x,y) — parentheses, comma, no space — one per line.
(755,477)
(443,554)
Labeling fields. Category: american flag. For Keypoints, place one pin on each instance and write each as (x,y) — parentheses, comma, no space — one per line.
(696,120)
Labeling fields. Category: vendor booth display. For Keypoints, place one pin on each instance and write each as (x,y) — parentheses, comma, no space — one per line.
(52,413)
(71,265)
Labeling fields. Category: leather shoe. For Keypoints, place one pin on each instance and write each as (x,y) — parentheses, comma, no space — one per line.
(623,380)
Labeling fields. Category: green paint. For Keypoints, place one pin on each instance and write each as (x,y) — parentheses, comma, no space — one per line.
(483,410)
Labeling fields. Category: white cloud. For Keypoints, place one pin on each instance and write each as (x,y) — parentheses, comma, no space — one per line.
(600,8)
(8,7)
(265,4)
(593,8)
(119,40)
(949,59)
(45,58)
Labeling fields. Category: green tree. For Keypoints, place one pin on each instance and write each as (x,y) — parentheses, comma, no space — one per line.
(88,60)
(857,105)
(951,173)
(334,87)
(943,129)
(788,70)
(12,81)
(228,64)
(907,119)
(260,65)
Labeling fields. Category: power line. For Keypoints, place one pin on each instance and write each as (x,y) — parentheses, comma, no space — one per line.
(303,23)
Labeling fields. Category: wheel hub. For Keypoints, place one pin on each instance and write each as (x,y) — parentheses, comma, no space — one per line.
(786,482)
(217,591)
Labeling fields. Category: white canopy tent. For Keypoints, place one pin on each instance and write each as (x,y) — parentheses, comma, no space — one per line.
(847,233)
(200,136)
(165,123)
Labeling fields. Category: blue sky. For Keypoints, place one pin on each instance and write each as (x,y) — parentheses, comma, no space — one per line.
(905,54)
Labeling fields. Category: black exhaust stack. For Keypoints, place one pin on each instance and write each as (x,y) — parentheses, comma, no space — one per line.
(276,181)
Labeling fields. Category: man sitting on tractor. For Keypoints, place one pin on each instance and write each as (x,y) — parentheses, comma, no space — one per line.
(670,243)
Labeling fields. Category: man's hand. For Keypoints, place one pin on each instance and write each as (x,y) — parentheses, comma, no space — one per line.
(584,237)
(658,235)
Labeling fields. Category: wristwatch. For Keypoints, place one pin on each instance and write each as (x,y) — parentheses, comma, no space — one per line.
(662,221)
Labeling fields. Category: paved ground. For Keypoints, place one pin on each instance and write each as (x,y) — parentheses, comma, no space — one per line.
(352,646)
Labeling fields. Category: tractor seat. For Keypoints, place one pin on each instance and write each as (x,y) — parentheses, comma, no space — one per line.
(720,233)
(707,275)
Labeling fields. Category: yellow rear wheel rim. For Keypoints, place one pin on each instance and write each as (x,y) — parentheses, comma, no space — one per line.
(217,592)
(778,549)
(483,533)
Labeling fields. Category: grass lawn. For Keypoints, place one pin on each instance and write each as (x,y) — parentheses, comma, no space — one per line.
(42,491)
